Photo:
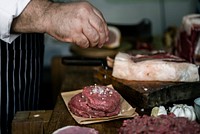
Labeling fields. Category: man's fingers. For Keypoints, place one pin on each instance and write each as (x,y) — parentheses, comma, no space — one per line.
(99,25)
(99,14)
(91,33)
(81,40)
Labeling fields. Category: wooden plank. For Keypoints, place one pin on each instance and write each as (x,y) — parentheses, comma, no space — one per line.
(31,122)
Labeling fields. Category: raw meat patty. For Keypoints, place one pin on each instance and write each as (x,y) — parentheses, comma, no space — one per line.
(89,103)
(78,106)
(102,98)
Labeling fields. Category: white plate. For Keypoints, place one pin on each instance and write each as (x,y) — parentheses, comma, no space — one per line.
(81,130)
(59,131)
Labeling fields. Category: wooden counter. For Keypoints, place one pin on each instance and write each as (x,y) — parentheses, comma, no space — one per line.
(75,79)
(61,117)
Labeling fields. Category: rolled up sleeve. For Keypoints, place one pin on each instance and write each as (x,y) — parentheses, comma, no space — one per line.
(10,9)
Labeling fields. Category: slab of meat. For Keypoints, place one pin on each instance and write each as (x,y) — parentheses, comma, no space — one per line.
(188,41)
(163,124)
(76,130)
(154,67)
(95,101)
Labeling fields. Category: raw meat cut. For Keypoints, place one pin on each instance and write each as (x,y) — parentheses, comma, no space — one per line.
(102,98)
(114,38)
(96,101)
(154,67)
(78,106)
(188,41)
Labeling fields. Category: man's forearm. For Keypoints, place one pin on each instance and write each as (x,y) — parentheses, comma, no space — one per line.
(32,18)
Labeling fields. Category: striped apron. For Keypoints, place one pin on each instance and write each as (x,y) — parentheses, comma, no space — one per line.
(21,65)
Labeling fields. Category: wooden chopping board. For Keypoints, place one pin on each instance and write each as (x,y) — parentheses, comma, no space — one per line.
(145,94)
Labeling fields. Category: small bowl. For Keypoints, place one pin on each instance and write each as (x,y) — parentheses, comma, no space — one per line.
(197,107)
(75,130)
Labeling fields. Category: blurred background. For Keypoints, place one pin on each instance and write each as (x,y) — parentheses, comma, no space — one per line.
(161,13)
(148,20)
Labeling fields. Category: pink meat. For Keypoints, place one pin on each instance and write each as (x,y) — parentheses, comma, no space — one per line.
(78,106)
(89,103)
(186,46)
(115,112)
(102,98)
(154,67)
(159,56)
(163,124)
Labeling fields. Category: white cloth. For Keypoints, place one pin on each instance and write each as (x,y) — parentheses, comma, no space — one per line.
(9,9)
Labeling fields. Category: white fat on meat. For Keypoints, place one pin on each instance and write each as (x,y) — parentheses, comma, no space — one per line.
(153,70)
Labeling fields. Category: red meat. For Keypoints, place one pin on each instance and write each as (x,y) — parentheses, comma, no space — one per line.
(89,103)
(102,98)
(78,106)
(163,124)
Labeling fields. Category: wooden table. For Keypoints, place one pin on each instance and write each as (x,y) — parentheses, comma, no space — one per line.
(61,117)
(75,78)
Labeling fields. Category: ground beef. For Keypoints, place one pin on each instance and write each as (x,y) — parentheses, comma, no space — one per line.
(78,106)
(102,98)
(163,124)
(90,104)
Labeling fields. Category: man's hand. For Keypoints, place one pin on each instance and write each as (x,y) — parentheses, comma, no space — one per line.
(75,22)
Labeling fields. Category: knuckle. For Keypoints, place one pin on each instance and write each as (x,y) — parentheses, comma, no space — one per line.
(82,43)
(95,40)
(84,7)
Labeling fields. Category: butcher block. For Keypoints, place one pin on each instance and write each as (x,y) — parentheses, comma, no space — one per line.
(147,94)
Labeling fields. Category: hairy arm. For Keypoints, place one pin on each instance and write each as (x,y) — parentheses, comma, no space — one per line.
(76,22)
(32,19)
